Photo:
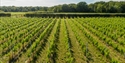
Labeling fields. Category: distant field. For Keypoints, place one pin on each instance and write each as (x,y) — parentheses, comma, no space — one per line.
(62,15)
(17,12)
(62,40)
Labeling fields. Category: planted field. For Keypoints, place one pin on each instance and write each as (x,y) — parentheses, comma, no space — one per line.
(62,40)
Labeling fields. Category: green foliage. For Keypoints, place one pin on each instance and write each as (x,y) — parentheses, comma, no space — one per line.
(26,38)
(97,7)
(5,14)
(114,61)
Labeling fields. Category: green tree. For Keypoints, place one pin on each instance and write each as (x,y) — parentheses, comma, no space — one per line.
(82,7)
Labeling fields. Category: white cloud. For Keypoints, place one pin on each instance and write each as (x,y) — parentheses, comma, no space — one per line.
(109,0)
(26,2)
(7,0)
(36,2)
(93,1)
(44,2)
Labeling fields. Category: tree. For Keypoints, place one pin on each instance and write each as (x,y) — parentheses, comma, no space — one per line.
(123,8)
(91,7)
(65,8)
(98,7)
(82,7)
(72,7)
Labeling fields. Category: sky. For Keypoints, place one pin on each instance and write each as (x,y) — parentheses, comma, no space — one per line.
(44,2)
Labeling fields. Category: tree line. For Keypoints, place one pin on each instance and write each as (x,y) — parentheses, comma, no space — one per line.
(97,7)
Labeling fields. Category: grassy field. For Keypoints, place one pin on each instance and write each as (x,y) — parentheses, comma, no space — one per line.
(62,40)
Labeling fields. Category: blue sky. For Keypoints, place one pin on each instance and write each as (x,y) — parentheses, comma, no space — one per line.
(43,2)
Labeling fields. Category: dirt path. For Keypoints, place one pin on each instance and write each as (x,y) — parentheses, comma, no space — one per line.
(43,55)
(95,55)
(76,49)
(113,53)
(61,45)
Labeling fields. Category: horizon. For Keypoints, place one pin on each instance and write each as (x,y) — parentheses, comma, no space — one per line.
(47,3)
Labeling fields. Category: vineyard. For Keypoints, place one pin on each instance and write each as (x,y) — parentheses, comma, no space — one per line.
(62,40)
